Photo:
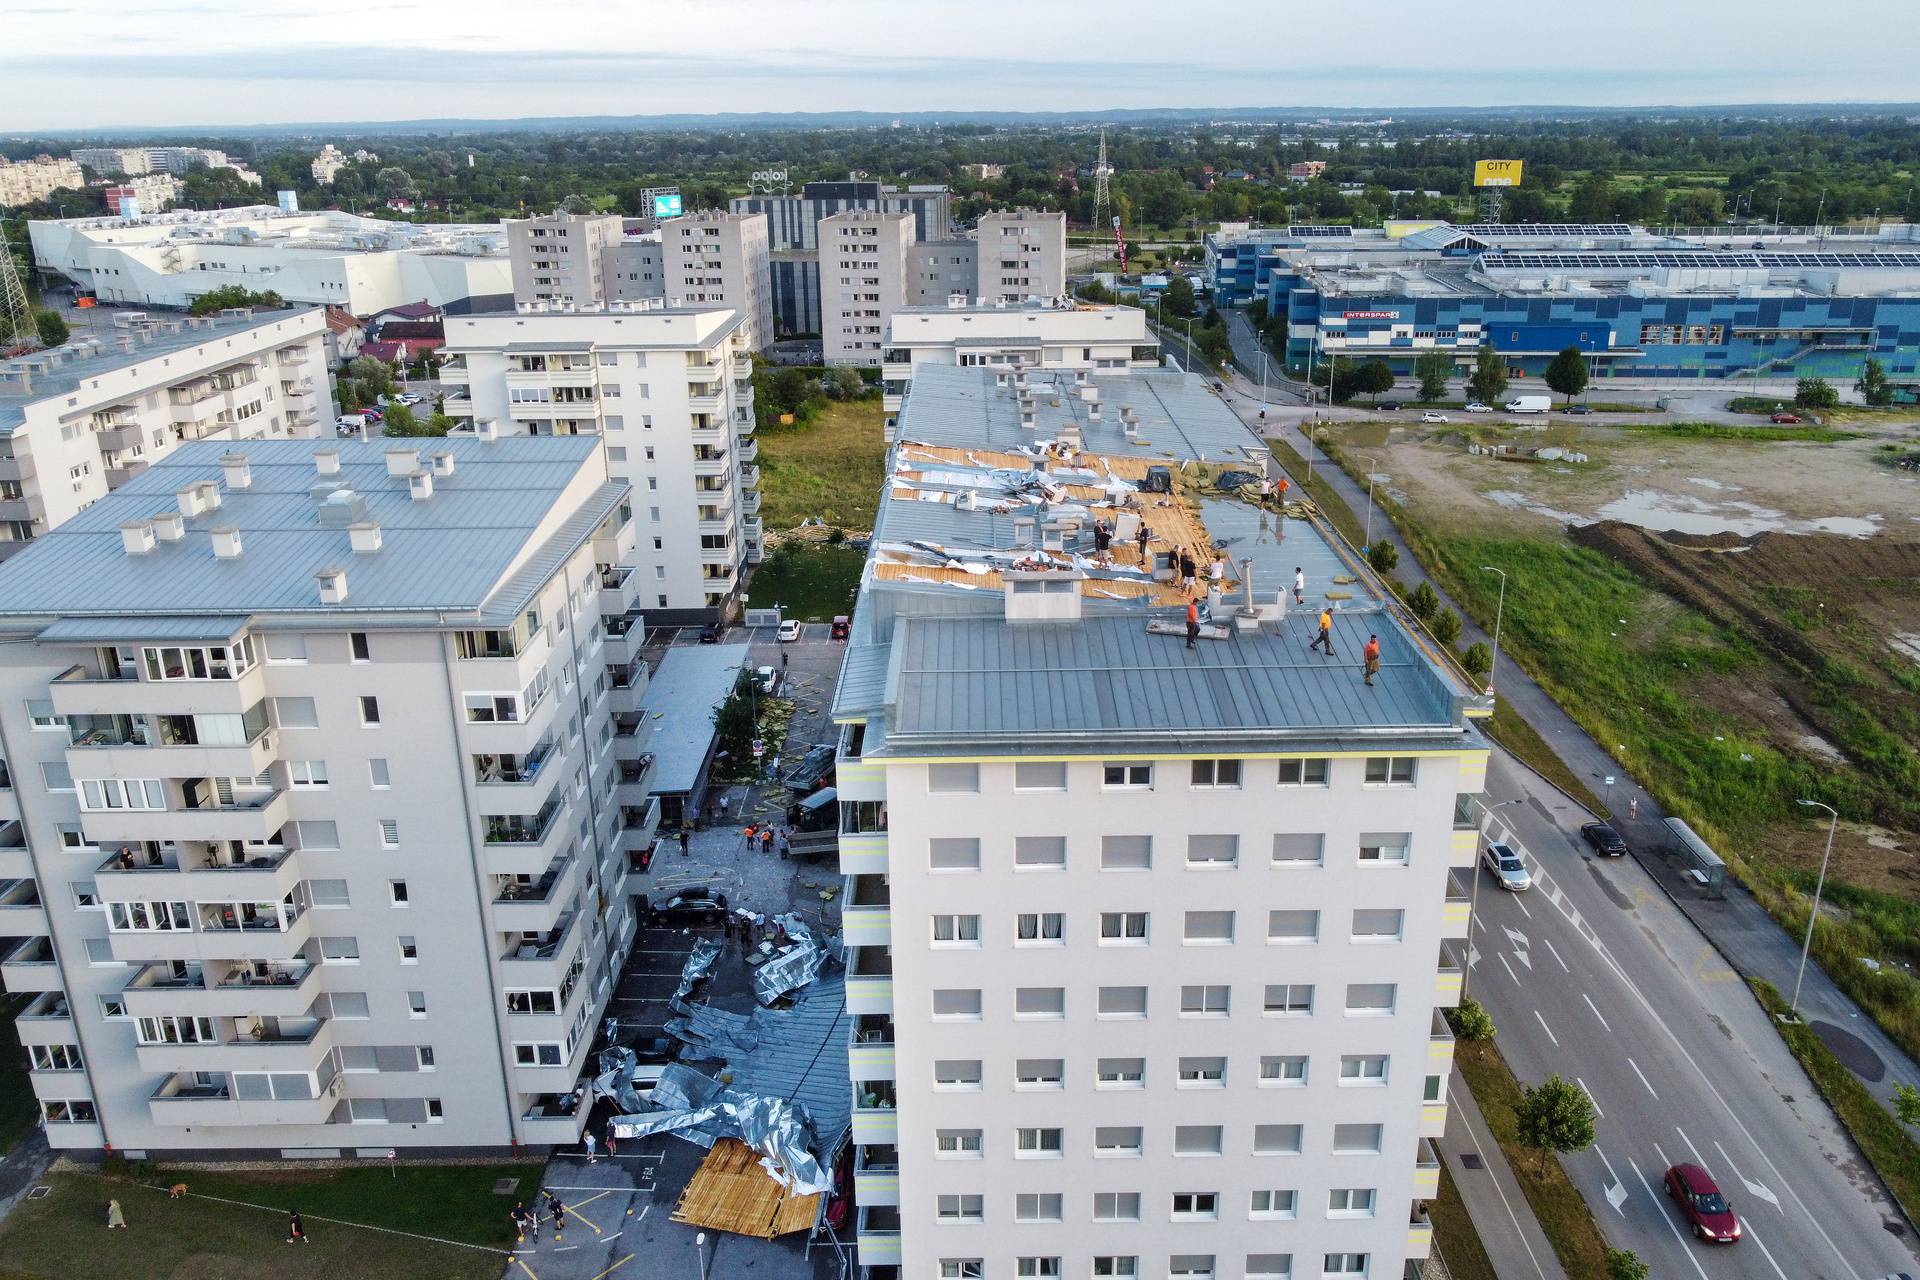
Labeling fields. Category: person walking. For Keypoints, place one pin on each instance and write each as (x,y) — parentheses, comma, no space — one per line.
(683,842)
(752,831)
(1283,495)
(558,1211)
(518,1217)
(1218,574)
(587,1141)
(1299,585)
(1193,622)
(296,1229)
(612,1141)
(1146,564)
(1371,657)
(1325,639)
(1633,808)
(786,844)
(115,1218)
(1188,570)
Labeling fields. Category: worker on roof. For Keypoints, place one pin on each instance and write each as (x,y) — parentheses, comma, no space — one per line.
(1193,622)
(1371,657)
(1325,639)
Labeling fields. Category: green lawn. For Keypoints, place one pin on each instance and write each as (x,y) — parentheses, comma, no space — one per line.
(830,469)
(204,1237)
(810,581)
(1454,1236)
(1805,431)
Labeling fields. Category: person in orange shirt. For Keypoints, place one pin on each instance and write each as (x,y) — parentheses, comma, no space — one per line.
(1372,656)
(1325,639)
(1193,622)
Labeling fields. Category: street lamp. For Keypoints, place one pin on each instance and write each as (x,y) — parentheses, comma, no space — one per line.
(1473,898)
(1793,1006)
(1372,463)
(1499,611)
(700,1251)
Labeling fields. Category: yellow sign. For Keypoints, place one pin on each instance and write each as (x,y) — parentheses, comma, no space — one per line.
(1496,173)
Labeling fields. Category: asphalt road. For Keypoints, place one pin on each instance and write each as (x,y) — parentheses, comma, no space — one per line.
(1596,975)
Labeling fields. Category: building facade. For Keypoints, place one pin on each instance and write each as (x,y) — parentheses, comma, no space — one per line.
(1146,943)
(559,257)
(321,824)
(84,419)
(30,181)
(715,260)
(1022,253)
(671,391)
(113,161)
(863,281)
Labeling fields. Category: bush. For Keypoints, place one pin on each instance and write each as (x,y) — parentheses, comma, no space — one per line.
(1478,660)
(1815,393)
(1424,602)
(1383,556)
(51,327)
(1625,1264)
(1446,628)
(1470,1020)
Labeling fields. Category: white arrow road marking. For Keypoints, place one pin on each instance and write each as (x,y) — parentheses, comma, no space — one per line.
(1544,1027)
(1517,938)
(1596,1011)
(1643,1080)
(1758,1190)
(1616,1189)
(1664,1215)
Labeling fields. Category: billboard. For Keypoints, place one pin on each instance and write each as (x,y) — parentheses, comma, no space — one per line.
(666,205)
(1496,173)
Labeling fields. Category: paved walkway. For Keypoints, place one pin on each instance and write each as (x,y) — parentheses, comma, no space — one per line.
(1515,1244)
(24,1166)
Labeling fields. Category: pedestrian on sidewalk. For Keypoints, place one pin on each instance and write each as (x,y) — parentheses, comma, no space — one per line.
(752,831)
(1193,622)
(296,1229)
(518,1217)
(1325,639)
(1371,655)
(1633,807)
(766,839)
(586,1140)
(115,1218)
(783,659)
(1299,585)
(612,1141)
(559,1213)
(683,842)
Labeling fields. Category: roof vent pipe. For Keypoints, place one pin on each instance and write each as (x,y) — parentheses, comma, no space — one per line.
(169,526)
(137,537)
(420,485)
(333,585)
(226,542)
(326,462)
(239,473)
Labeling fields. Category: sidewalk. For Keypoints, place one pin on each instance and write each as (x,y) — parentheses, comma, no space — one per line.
(1510,1233)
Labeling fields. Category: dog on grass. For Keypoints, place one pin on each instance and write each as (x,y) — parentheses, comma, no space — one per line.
(177,1190)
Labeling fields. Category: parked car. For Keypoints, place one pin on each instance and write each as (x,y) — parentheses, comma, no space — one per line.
(1577,410)
(690,908)
(764,679)
(1605,840)
(789,630)
(1701,1203)
(646,1077)
(1785,419)
(409,398)
(1507,867)
(813,767)
(710,634)
(1433,416)
(841,626)
(1388,405)
(1474,406)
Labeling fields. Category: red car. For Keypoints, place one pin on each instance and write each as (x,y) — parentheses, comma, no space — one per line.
(1785,419)
(1702,1204)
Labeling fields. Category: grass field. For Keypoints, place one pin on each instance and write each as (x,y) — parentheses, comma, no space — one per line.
(63,1236)
(809,581)
(830,469)
(1805,431)
(18,1110)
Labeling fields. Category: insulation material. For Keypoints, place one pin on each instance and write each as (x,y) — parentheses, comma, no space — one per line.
(793,968)
(703,1111)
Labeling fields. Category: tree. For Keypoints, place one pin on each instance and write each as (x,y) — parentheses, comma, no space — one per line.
(1215,347)
(1383,556)
(1872,386)
(1433,368)
(232,295)
(1489,381)
(52,328)
(1470,1020)
(395,183)
(1424,602)
(1906,1103)
(1478,660)
(1592,200)
(397,420)
(1625,1264)
(1554,1116)
(1446,628)
(1177,301)
(1257,312)
(1375,378)
(1815,393)
(1568,373)
(374,375)
(845,383)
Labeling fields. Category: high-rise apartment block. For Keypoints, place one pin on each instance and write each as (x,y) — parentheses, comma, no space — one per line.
(320,798)
(1147,932)
(113,161)
(716,259)
(558,257)
(80,420)
(30,181)
(863,279)
(671,390)
(328,163)
(1021,254)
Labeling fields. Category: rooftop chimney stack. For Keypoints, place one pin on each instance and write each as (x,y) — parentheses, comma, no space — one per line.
(365,537)
(209,495)
(326,462)
(420,485)
(169,526)
(190,499)
(443,462)
(238,472)
(137,537)
(402,462)
(486,430)
(333,585)
(226,542)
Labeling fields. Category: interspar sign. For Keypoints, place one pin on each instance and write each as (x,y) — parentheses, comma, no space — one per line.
(1369,315)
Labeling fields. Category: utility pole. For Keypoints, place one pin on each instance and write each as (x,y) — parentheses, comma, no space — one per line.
(1793,1006)
(1499,611)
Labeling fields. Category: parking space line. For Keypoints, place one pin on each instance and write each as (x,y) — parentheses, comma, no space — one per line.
(615,1267)
(522,1263)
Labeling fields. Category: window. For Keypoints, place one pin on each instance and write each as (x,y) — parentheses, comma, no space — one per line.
(1044,1206)
(961,1208)
(1036,1144)
(1435,1087)
(1350,1202)
(1116,777)
(956,931)
(953,779)
(423,1057)
(1298,849)
(961,1269)
(369,709)
(1039,928)
(55,775)
(307,774)
(1119,1268)
(55,1057)
(357,646)
(1363,1068)
(1120,1073)
(1390,771)
(1344,1264)
(1293,925)
(294,713)
(1377,924)
(956,1073)
(1203,1073)
(1276,1139)
(1273,1204)
(389,833)
(1116,1206)
(1287,1070)
(1370,998)
(1269,1266)
(318,835)
(1216,773)
(952,853)
(1040,1002)
(1196,1139)
(956,1003)
(1208,928)
(1040,1268)
(1123,1002)
(1384,848)
(1126,853)
(1040,853)
(1190,1266)
(377,775)
(1040,775)
(537,1054)
(397,892)
(107,794)
(1289,998)
(1311,772)
(42,715)
(1356,1139)
(956,1144)
(409,951)
(1039,1073)
(1116,1140)
(340,950)
(1191,1205)
(1209,852)
(416,1004)
(1209,1001)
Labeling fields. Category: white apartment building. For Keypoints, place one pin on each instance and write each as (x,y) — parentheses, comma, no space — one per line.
(671,390)
(111,161)
(557,257)
(329,162)
(938,271)
(319,807)
(29,181)
(83,419)
(1022,254)
(1146,944)
(327,257)
(635,268)
(716,259)
(1050,334)
(863,279)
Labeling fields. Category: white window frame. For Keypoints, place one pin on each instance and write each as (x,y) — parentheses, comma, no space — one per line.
(1126,775)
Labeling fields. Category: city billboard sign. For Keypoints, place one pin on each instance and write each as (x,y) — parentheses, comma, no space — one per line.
(666,205)
(1496,173)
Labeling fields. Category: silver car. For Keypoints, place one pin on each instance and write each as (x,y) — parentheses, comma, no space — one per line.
(1507,868)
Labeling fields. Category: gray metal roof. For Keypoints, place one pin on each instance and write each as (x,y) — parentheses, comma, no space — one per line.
(452,551)
(210,628)
(681,699)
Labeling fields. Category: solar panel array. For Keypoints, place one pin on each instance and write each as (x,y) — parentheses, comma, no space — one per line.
(1319,232)
(1706,258)
(1548,229)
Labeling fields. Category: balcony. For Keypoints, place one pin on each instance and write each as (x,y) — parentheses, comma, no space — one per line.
(876,1175)
(878,1235)
(1449,977)
(1426,1172)
(1419,1233)
(870,981)
(618,587)
(21,913)
(870,1051)
(1465,849)
(639,827)
(867,918)
(635,779)
(536,906)
(553,1119)
(747,450)
(863,853)
(265,874)
(512,770)
(750,500)
(1457,915)
(223,989)
(167,746)
(78,692)
(196,816)
(454,372)
(875,1117)
(31,967)
(750,476)
(183,1102)
(47,1019)
(545,961)
(517,845)
(247,1043)
(709,462)
(16,863)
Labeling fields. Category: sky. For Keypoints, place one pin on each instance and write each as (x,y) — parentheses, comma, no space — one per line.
(70,64)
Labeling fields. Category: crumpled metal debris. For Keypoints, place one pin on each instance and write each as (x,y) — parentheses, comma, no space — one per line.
(793,968)
(699,964)
(615,1081)
(703,1111)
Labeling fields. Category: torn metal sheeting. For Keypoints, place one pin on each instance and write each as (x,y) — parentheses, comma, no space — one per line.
(699,964)
(793,968)
(703,1111)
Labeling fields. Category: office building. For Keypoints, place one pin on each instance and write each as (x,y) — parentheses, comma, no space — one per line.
(113,161)
(1147,939)
(350,878)
(1052,334)
(31,181)
(86,418)
(863,280)
(713,260)
(1022,253)
(671,390)
(558,257)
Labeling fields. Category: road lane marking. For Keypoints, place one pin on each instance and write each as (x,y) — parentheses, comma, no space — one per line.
(1590,1098)
(1758,1190)
(1502,958)
(1693,1150)
(1643,1077)
(1556,954)
(1616,1189)
(1747,1231)
(1506,1204)
(1596,1011)
(1523,908)
(1544,1027)
(524,1267)
(1665,1217)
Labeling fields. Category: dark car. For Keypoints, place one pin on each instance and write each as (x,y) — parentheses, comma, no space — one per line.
(1605,840)
(710,634)
(1388,405)
(690,908)
(1578,410)
(1700,1201)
